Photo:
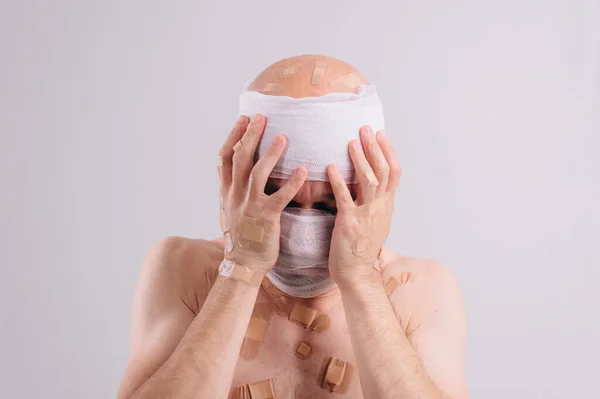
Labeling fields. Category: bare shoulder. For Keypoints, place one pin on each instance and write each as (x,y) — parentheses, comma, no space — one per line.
(186,267)
(173,283)
(419,287)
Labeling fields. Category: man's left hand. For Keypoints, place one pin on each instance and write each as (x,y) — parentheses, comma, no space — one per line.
(362,225)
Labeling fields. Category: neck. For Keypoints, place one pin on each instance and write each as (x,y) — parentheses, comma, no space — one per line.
(282,301)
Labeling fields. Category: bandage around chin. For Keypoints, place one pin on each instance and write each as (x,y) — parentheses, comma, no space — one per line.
(318,129)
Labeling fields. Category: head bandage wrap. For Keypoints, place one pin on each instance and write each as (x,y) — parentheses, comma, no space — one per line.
(318,130)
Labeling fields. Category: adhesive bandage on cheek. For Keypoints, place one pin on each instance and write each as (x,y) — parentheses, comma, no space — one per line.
(318,129)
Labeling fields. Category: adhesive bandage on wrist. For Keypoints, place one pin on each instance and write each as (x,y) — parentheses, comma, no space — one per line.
(243,274)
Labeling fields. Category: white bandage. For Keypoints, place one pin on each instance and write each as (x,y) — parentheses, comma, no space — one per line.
(318,129)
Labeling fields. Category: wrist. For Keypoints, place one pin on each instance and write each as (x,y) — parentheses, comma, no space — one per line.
(242,274)
(359,281)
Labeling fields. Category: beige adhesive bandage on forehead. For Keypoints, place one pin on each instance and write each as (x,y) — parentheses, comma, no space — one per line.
(336,375)
(318,72)
(272,87)
(288,72)
(349,82)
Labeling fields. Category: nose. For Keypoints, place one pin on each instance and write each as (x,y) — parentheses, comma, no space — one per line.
(306,205)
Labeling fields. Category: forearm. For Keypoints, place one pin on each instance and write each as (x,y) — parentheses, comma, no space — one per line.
(203,363)
(387,364)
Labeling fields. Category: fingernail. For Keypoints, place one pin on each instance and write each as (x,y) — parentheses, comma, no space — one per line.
(356,145)
(382,133)
(241,119)
(257,119)
(369,129)
(278,140)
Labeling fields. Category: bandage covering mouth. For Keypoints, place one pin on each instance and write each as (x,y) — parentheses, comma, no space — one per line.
(318,131)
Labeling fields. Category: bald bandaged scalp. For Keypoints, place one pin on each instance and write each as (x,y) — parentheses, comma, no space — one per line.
(318,129)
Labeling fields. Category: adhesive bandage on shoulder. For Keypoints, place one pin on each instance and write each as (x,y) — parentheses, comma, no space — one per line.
(318,129)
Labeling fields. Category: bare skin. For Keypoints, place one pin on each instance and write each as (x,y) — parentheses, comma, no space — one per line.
(188,323)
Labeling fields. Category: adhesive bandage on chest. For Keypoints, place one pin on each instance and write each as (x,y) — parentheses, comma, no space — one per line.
(318,129)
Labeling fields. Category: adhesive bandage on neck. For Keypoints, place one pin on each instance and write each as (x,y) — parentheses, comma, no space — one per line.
(318,129)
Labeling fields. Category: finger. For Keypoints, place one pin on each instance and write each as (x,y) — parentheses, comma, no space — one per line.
(367,182)
(343,198)
(243,157)
(391,159)
(376,159)
(279,200)
(263,168)
(226,152)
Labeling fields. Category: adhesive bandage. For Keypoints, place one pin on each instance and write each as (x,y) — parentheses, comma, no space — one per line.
(350,81)
(318,72)
(336,375)
(288,72)
(256,331)
(303,350)
(240,273)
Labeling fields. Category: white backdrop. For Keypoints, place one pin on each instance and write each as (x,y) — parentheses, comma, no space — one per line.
(112,112)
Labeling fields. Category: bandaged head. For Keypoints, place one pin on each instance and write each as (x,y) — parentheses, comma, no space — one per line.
(318,130)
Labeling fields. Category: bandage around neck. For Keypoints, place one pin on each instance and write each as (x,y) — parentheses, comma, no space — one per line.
(318,129)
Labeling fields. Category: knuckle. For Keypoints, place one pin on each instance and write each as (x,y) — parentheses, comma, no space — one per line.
(280,199)
(255,173)
(273,151)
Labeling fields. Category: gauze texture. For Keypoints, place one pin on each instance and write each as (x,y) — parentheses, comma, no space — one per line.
(318,129)
(301,269)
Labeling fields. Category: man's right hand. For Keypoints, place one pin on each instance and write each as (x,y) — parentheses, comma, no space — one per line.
(249,217)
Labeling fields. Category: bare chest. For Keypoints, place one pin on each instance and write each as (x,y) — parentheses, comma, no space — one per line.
(294,352)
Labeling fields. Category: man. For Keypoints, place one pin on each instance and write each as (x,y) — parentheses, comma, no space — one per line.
(299,299)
